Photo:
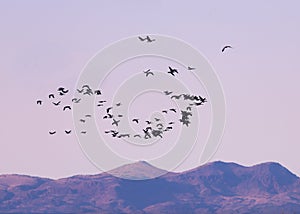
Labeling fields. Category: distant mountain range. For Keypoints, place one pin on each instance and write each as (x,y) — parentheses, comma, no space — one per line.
(216,187)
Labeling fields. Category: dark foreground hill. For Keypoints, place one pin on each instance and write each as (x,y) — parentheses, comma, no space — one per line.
(216,187)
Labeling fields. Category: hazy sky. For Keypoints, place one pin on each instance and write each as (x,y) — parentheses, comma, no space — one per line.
(46,44)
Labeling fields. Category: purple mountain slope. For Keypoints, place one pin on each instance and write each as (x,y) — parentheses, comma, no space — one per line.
(216,187)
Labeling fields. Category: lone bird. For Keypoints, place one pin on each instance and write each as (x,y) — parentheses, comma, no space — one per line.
(51,96)
(82,120)
(172,71)
(191,68)
(56,104)
(148,39)
(148,72)
(165,111)
(68,131)
(83,132)
(148,122)
(97,92)
(76,100)
(108,109)
(63,90)
(137,135)
(135,120)
(225,47)
(66,107)
(168,92)
(88,115)
(115,122)
(39,102)
(173,109)
(118,104)
(52,132)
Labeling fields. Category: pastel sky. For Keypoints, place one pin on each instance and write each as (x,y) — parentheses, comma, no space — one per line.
(45,45)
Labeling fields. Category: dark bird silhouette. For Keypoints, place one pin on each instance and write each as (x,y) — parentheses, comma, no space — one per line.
(199,104)
(172,71)
(51,96)
(165,111)
(148,72)
(39,102)
(148,122)
(52,132)
(137,135)
(56,104)
(171,123)
(156,119)
(82,120)
(190,68)
(108,116)
(120,115)
(76,100)
(147,134)
(62,90)
(176,96)
(135,120)
(86,86)
(189,108)
(102,101)
(97,92)
(115,122)
(100,105)
(124,135)
(68,131)
(168,92)
(225,47)
(88,115)
(185,122)
(83,132)
(147,38)
(118,104)
(202,99)
(66,107)
(160,125)
(80,91)
(114,133)
(173,109)
(108,109)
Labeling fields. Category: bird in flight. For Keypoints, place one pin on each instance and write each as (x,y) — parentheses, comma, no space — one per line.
(83,132)
(108,109)
(88,115)
(148,72)
(66,107)
(137,135)
(39,102)
(52,132)
(120,115)
(189,108)
(102,101)
(165,111)
(62,90)
(171,123)
(191,68)
(68,131)
(225,47)
(118,104)
(168,92)
(203,100)
(135,120)
(51,96)
(82,120)
(199,104)
(108,116)
(76,100)
(115,122)
(56,104)
(176,96)
(156,119)
(124,135)
(172,71)
(147,38)
(148,122)
(97,92)
(80,91)
(173,109)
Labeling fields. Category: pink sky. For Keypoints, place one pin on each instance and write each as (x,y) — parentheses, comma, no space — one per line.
(46,45)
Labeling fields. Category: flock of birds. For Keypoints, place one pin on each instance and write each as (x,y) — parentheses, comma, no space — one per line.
(154,128)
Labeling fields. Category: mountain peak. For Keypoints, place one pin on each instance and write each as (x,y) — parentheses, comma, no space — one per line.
(139,170)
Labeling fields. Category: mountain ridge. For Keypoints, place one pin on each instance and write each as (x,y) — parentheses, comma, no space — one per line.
(216,187)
